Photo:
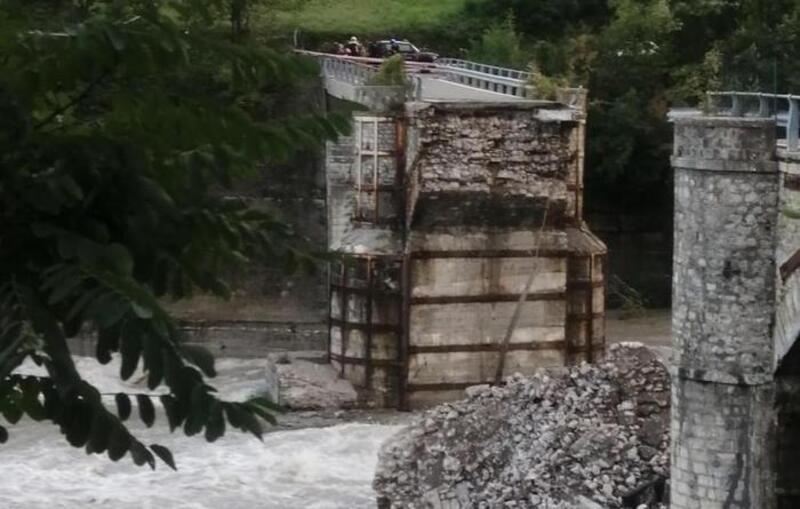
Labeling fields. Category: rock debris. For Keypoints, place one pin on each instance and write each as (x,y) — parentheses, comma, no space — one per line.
(589,436)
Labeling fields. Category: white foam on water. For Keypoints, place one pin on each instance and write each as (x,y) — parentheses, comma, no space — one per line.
(319,468)
(315,468)
(236,380)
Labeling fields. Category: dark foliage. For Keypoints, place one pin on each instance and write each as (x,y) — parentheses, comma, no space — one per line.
(121,125)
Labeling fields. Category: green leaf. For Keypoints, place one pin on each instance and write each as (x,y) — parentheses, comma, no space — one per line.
(118,442)
(215,426)
(11,356)
(267,403)
(242,418)
(30,399)
(165,455)
(117,42)
(172,370)
(200,357)
(147,411)
(119,258)
(262,412)
(155,193)
(153,361)
(197,411)
(12,412)
(123,405)
(99,434)
(82,302)
(142,311)
(77,421)
(174,411)
(107,342)
(43,230)
(65,289)
(71,187)
(130,350)
(110,311)
(141,455)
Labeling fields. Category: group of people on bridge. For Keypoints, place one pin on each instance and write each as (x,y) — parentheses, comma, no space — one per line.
(354,48)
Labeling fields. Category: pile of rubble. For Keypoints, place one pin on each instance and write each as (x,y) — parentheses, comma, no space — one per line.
(590,436)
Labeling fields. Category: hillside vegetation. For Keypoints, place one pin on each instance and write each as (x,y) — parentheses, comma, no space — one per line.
(438,25)
(378,17)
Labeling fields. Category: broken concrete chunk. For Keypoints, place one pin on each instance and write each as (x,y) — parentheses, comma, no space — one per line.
(307,383)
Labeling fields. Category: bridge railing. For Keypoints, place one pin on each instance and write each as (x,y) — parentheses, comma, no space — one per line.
(474,79)
(495,79)
(502,72)
(784,108)
(357,71)
(345,70)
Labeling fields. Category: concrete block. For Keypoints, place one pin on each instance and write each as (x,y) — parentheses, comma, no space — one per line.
(486,323)
(476,367)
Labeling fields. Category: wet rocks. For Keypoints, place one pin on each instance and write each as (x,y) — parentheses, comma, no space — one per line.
(588,436)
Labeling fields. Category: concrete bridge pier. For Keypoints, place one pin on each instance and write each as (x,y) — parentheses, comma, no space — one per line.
(723,413)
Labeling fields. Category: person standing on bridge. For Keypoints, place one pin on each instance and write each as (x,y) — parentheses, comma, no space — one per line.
(394,47)
(354,47)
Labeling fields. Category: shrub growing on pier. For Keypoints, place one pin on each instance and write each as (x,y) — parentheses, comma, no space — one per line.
(391,73)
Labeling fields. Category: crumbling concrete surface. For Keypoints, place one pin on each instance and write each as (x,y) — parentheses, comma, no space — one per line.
(590,436)
(303,381)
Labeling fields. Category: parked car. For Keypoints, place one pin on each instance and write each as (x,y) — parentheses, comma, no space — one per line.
(389,47)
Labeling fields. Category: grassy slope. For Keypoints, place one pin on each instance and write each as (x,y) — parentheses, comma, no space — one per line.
(368,17)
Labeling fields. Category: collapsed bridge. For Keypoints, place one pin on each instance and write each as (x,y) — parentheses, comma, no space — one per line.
(456,206)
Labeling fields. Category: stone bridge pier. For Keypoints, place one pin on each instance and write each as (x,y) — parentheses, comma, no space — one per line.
(734,388)
(726,199)
(463,250)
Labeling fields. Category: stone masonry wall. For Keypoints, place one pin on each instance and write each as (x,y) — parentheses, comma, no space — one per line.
(511,154)
(493,164)
(352,228)
(726,198)
(339,157)
(724,267)
(721,445)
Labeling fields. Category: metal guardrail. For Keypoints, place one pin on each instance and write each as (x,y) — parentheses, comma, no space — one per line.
(345,70)
(357,88)
(493,70)
(784,108)
(358,70)
(474,79)
(410,65)
(500,80)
